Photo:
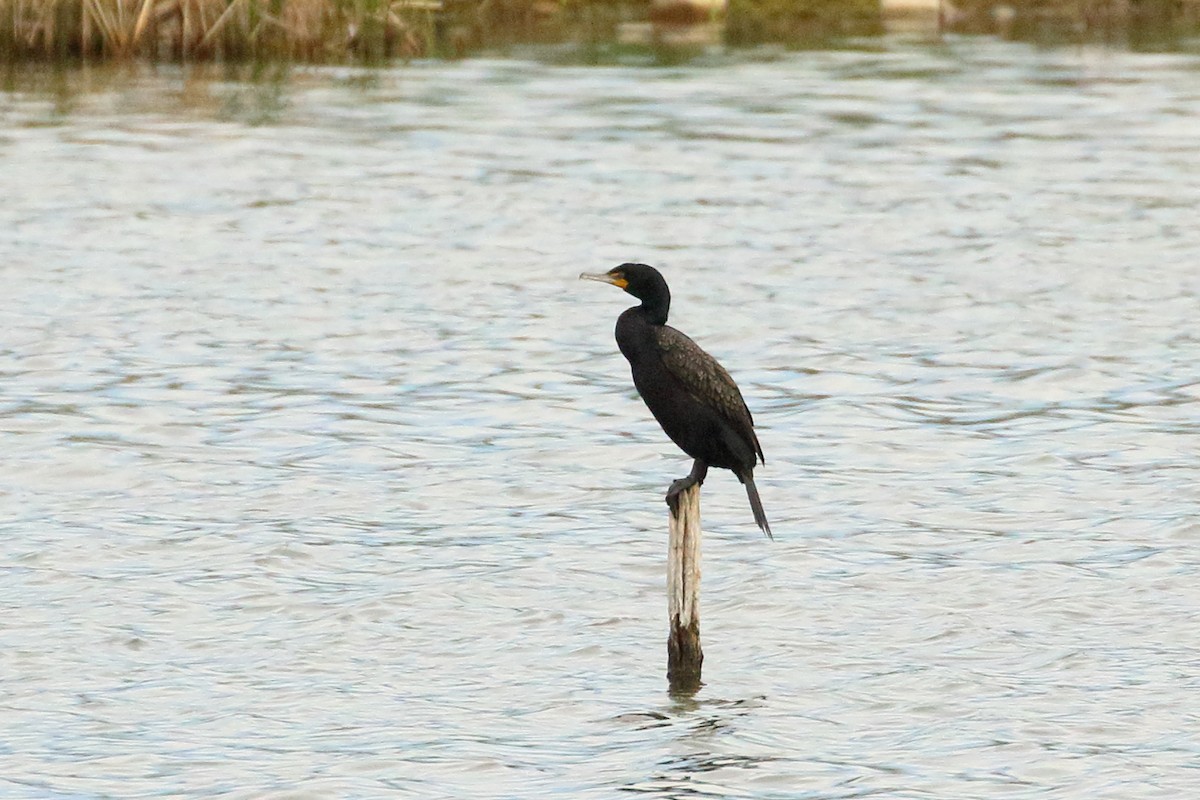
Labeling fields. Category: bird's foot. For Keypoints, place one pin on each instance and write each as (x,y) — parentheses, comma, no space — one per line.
(678,487)
(696,476)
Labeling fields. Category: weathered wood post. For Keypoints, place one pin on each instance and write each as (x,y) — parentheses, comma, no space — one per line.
(684,656)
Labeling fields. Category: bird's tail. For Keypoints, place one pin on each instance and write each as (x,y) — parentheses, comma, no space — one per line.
(760,516)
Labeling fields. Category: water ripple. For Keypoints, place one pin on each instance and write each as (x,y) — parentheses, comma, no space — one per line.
(324,477)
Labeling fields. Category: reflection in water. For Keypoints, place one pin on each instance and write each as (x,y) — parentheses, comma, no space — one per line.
(322,477)
(695,761)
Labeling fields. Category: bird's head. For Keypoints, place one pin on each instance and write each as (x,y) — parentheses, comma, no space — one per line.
(640,280)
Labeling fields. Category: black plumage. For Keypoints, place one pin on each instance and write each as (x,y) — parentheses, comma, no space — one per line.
(691,395)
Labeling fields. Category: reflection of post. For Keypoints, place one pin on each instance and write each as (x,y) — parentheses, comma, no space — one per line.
(684,656)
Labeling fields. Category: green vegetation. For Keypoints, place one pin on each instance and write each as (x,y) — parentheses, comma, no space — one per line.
(801,21)
(1154,24)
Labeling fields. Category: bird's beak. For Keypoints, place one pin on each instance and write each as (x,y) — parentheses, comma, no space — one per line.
(604,277)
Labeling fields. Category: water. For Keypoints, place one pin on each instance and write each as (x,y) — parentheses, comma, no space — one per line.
(323,477)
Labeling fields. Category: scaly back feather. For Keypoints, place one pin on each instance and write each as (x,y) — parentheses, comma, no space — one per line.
(706,380)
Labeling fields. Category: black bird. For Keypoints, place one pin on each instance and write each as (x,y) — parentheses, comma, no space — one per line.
(690,394)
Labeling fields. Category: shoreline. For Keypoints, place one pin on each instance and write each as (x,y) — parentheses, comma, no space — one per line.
(375,31)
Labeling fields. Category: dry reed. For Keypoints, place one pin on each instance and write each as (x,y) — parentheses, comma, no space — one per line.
(310,30)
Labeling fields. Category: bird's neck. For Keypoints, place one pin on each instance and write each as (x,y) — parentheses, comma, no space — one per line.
(655,310)
(636,335)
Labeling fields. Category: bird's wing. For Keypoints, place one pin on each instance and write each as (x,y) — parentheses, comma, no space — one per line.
(706,380)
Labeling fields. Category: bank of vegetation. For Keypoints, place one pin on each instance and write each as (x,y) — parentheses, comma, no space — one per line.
(373,30)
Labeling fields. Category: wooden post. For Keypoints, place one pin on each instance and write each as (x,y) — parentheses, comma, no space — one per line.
(684,656)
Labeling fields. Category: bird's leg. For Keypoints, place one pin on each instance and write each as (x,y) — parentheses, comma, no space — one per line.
(696,476)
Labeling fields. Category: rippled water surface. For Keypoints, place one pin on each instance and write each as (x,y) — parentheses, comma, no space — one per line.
(323,477)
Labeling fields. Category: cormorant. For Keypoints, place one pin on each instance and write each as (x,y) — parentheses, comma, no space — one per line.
(692,396)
